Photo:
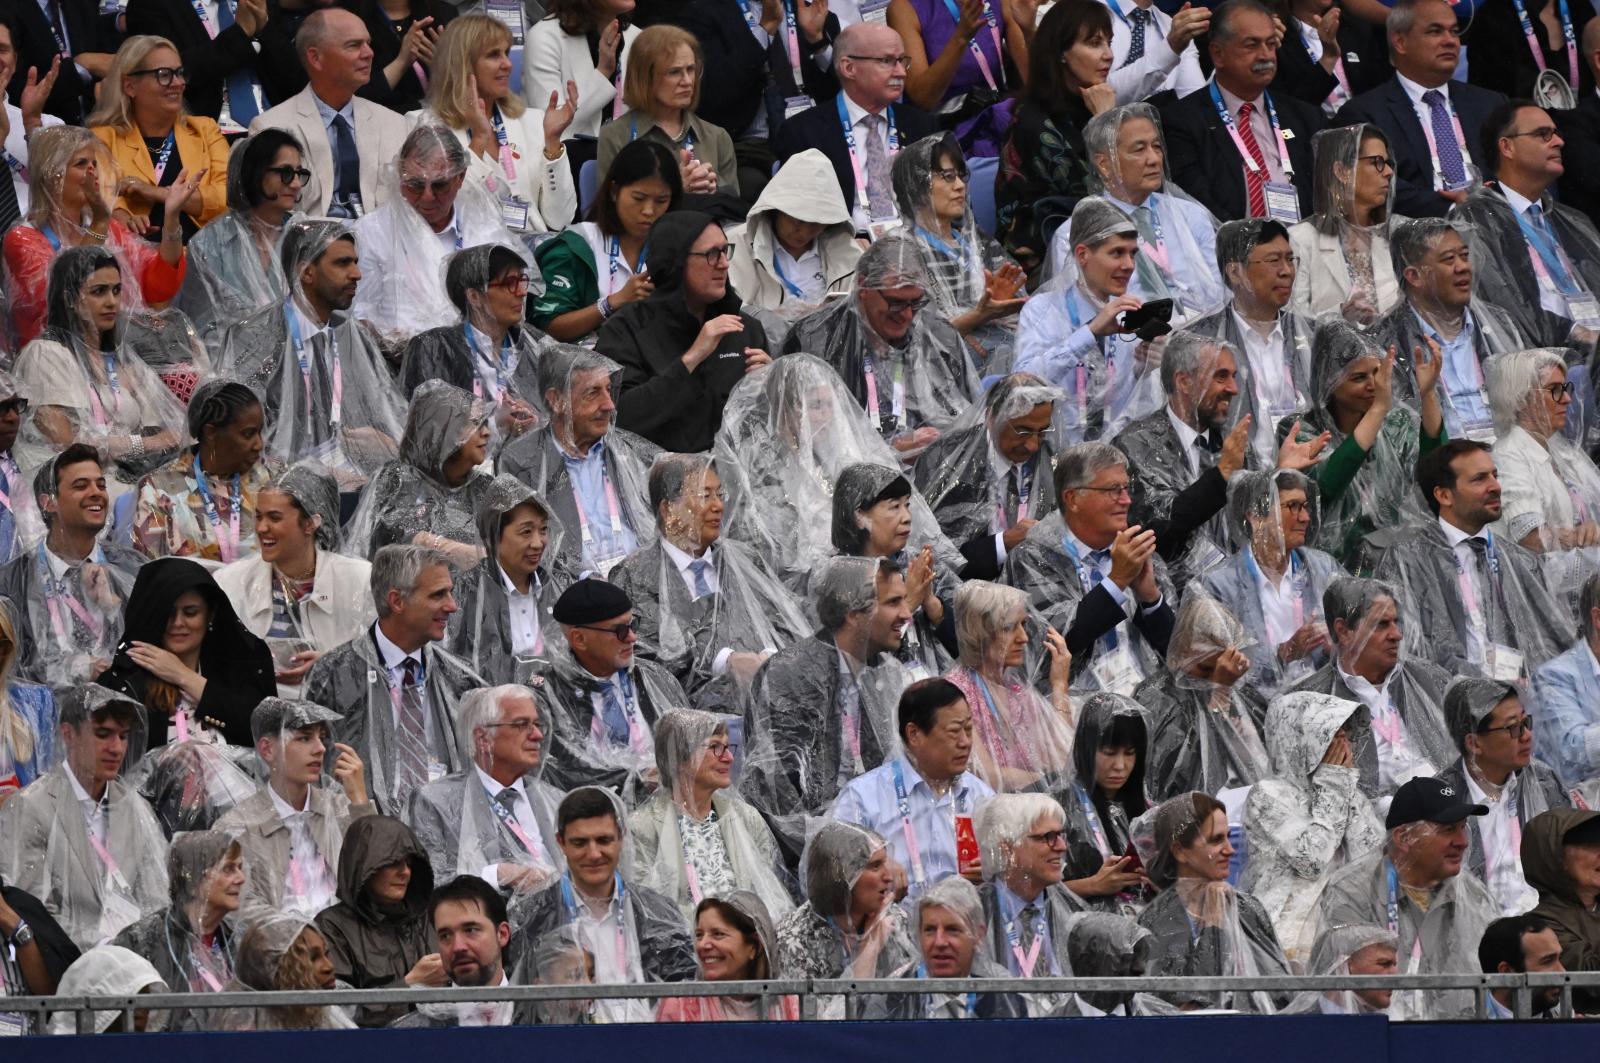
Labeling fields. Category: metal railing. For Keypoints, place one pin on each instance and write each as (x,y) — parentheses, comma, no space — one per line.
(810,992)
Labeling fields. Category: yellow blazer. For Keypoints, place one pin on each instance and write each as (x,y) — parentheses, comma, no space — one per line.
(199,143)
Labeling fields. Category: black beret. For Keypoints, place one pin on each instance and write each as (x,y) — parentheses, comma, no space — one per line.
(589,600)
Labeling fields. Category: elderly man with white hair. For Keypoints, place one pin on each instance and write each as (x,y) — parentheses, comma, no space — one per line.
(950,925)
(496,818)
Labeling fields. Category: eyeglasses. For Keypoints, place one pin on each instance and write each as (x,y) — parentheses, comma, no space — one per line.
(162,74)
(1512,730)
(516,285)
(1555,391)
(1296,508)
(1049,837)
(522,726)
(620,632)
(416,185)
(900,306)
(1545,133)
(16,405)
(715,255)
(888,62)
(950,175)
(1379,162)
(719,750)
(1024,433)
(288,174)
(1274,261)
(1115,490)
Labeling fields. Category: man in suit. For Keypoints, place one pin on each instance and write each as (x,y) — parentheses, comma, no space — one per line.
(496,819)
(1580,128)
(1325,58)
(1432,121)
(348,140)
(862,128)
(1567,725)
(74,30)
(988,483)
(397,689)
(1234,146)
(229,50)
(1475,602)
(1153,51)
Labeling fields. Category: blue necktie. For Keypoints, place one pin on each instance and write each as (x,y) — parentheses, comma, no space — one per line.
(702,586)
(1099,561)
(1138,17)
(613,713)
(1537,218)
(1444,138)
(242,82)
(347,164)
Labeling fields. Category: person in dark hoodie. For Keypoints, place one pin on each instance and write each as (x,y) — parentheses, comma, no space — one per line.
(1561,859)
(378,932)
(684,348)
(179,632)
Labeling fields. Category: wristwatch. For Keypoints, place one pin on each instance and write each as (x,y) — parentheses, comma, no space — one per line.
(22,934)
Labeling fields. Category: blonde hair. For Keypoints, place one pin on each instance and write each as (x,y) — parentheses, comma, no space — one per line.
(115,108)
(985,611)
(654,48)
(50,152)
(455,57)
(16,734)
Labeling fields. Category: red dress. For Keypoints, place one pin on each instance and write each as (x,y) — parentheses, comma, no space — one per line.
(29,252)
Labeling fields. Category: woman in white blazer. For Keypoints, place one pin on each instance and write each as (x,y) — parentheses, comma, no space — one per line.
(582,41)
(296,593)
(513,150)
(1343,248)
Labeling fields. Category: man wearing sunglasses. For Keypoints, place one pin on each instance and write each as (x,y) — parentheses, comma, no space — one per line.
(603,700)
(1498,770)
(1540,259)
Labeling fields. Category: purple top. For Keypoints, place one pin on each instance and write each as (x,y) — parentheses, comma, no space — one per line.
(938,26)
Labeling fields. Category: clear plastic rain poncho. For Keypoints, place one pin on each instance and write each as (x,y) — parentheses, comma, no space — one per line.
(107,971)
(461,826)
(280,951)
(1359,491)
(1549,486)
(1309,818)
(325,387)
(481,629)
(788,431)
(958,254)
(1203,926)
(1177,236)
(1351,272)
(1102,945)
(402,258)
(431,491)
(742,607)
(559,957)
(924,379)
(846,927)
(292,860)
(1337,951)
(95,881)
(601,496)
(1110,381)
(1022,739)
(1438,927)
(958,898)
(192,783)
(641,937)
(687,856)
(1257,519)
(506,380)
(29,736)
(1097,821)
(88,386)
(171,939)
(233,266)
(1206,720)
(975,491)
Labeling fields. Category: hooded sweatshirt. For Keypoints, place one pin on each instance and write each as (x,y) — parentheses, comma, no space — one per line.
(658,398)
(237,664)
(1544,866)
(806,189)
(374,948)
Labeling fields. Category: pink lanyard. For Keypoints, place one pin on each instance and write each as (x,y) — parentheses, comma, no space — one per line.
(792,45)
(1538,50)
(1433,145)
(110,862)
(515,828)
(507,161)
(1513,827)
(613,514)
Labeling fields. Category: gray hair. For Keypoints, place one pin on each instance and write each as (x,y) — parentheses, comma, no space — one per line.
(1412,241)
(844,585)
(1078,465)
(1351,598)
(314,32)
(957,895)
(1005,819)
(560,362)
(1588,602)
(1186,353)
(1223,14)
(671,474)
(480,707)
(429,139)
(1513,377)
(1016,394)
(397,567)
(1402,16)
(983,611)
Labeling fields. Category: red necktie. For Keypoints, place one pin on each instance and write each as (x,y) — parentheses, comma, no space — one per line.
(1255,180)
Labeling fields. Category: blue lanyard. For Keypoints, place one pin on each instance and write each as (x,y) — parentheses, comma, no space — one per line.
(111,372)
(1393,904)
(988,698)
(502,365)
(614,252)
(1543,240)
(777,267)
(1233,131)
(50,235)
(210,505)
(942,247)
(293,319)
(688,133)
(160,162)
(972,998)
(1102,839)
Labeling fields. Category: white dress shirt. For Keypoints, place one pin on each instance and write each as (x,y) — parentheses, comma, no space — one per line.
(1467,564)
(1188,439)
(1397,761)
(308,881)
(1271,380)
(1278,601)
(805,272)
(682,561)
(522,811)
(1159,68)
(96,814)
(613,965)
(1501,834)
(526,637)
(870,801)
(394,663)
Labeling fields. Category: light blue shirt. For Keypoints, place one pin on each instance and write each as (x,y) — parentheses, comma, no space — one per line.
(589,476)
(1054,341)
(327,113)
(870,801)
(1191,245)
(1466,406)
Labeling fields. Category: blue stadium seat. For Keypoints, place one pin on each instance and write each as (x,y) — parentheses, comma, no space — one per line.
(980,191)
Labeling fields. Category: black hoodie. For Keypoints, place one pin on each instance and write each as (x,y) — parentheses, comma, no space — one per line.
(658,398)
(237,664)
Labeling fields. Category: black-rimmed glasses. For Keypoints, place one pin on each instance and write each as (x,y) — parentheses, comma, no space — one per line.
(715,254)
(164,75)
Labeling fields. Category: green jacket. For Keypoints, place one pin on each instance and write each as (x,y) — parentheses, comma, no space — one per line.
(571,279)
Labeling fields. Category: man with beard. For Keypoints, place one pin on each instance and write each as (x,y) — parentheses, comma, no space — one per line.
(472,931)
(1520,944)
(1474,601)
